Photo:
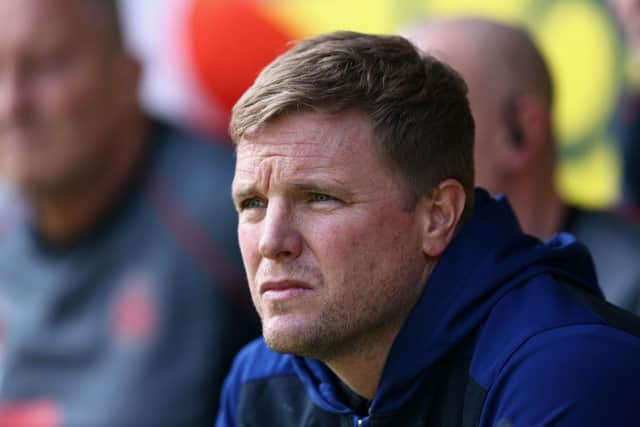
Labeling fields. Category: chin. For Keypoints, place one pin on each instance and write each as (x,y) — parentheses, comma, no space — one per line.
(281,343)
(286,338)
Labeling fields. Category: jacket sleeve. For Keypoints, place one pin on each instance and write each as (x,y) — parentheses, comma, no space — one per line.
(586,375)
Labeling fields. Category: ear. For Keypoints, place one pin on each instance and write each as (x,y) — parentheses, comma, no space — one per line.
(528,126)
(442,212)
(132,72)
(127,74)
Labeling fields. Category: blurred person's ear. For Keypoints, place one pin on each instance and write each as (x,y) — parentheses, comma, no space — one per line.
(527,122)
(128,73)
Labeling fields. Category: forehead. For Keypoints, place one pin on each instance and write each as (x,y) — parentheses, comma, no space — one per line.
(310,143)
(299,133)
(41,20)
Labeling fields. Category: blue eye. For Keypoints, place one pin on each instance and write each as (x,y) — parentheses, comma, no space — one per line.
(252,203)
(320,197)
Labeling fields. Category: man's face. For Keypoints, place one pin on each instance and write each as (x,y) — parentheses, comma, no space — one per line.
(60,97)
(332,251)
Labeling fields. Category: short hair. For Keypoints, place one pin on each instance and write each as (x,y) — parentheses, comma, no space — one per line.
(417,104)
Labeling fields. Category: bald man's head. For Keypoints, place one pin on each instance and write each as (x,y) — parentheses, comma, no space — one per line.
(510,92)
(503,56)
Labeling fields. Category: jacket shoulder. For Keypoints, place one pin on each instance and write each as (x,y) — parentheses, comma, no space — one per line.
(254,364)
(553,353)
(572,375)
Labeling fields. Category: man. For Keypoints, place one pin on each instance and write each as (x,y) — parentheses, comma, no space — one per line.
(511,96)
(118,291)
(388,296)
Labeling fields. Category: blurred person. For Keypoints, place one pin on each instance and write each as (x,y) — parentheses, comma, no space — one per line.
(120,289)
(626,120)
(390,292)
(511,96)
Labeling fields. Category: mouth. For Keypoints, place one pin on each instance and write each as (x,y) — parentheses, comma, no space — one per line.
(284,290)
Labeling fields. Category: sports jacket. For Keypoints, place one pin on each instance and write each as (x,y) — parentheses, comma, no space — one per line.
(136,324)
(509,331)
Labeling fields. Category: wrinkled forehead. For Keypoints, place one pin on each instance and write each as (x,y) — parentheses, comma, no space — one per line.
(307,142)
(310,133)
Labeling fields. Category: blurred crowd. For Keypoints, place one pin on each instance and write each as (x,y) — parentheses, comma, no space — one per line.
(122,290)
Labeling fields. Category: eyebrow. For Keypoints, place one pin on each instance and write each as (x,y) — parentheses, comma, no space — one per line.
(241,191)
(314,188)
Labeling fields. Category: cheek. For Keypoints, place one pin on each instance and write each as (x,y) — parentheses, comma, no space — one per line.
(358,247)
(248,241)
(332,242)
(250,258)
(61,93)
(78,97)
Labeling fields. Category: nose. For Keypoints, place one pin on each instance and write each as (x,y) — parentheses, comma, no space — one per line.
(280,239)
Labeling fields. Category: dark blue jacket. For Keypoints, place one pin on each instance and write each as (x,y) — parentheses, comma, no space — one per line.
(509,331)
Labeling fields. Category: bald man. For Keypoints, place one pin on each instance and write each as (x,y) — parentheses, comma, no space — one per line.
(511,96)
(121,287)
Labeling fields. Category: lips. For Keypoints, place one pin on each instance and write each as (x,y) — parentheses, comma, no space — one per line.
(284,289)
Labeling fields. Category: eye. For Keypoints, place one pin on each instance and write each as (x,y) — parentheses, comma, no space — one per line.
(50,61)
(252,203)
(321,197)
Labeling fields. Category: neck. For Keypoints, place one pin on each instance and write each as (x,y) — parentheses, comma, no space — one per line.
(65,216)
(537,205)
(361,363)
(362,368)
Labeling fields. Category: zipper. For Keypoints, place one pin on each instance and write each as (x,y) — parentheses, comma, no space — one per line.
(362,422)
